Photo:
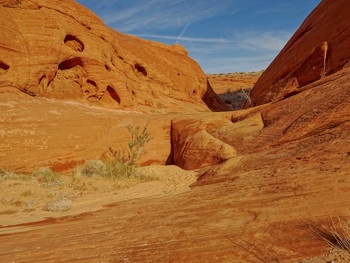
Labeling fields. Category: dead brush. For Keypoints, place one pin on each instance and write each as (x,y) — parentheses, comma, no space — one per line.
(336,233)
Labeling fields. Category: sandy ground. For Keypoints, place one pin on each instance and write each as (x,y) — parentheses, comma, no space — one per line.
(24,202)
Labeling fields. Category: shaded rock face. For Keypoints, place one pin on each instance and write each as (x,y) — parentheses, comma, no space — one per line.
(317,49)
(59,49)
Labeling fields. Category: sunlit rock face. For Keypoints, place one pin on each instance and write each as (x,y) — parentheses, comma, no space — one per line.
(59,49)
(319,48)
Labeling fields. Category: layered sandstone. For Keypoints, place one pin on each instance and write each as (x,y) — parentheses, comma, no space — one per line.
(319,48)
(59,49)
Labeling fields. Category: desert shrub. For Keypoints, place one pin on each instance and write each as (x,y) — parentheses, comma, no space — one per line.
(14,176)
(245,93)
(93,168)
(139,139)
(114,169)
(120,166)
(45,175)
(136,146)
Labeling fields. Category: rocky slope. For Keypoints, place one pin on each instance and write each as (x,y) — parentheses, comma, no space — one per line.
(268,174)
(59,49)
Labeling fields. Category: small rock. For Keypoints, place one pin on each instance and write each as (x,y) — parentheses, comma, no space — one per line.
(31,203)
(59,205)
(7,200)
(52,184)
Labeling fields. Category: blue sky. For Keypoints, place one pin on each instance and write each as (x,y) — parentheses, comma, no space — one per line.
(222,35)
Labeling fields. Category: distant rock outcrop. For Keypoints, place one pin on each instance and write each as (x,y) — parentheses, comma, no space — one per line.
(319,48)
(59,49)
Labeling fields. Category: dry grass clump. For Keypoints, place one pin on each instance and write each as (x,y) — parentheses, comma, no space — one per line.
(120,166)
(45,175)
(42,175)
(113,169)
(336,234)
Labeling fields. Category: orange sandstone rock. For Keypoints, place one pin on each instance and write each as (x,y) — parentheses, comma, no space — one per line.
(319,48)
(59,49)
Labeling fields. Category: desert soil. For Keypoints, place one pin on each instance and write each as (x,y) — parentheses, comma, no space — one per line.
(24,202)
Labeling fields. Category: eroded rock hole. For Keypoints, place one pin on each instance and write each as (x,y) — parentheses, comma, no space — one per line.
(114,95)
(70,63)
(140,69)
(3,67)
(42,79)
(91,82)
(74,43)
(121,58)
(108,68)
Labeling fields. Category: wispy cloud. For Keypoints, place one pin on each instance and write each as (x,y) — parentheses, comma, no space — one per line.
(249,40)
(182,33)
(270,40)
(161,14)
(280,9)
(187,39)
(243,51)
(237,64)
(218,34)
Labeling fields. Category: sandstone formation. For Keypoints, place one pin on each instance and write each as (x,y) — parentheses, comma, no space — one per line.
(39,132)
(279,167)
(319,48)
(59,49)
(234,88)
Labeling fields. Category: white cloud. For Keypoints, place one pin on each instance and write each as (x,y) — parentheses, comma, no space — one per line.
(161,14)
(173,21)
(237,64)
(270,41)
(188,39)
(244,51)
